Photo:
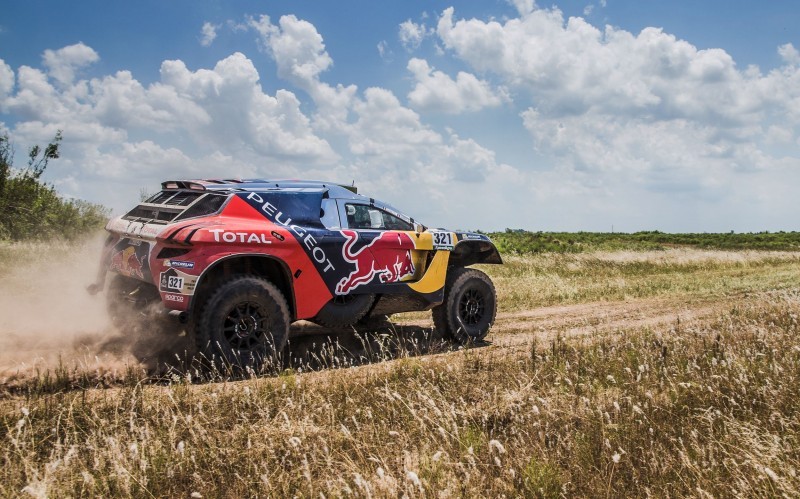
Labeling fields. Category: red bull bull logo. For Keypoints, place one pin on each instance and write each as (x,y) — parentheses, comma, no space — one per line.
(387,257)
(126,262)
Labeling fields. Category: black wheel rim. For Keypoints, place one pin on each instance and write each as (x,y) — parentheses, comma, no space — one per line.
(343,299)
(471,307)
(246,327)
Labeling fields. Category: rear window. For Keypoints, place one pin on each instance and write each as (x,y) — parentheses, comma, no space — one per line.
(171,205)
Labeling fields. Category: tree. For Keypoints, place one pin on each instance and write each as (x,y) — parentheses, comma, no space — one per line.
(31,208)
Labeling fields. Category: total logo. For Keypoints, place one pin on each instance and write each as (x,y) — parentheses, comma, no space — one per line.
(222,235)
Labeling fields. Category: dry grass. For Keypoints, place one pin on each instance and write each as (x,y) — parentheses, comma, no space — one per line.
(549,279)
(706,407)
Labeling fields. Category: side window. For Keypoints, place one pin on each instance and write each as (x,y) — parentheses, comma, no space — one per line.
(391,222)
(361,216)
(329,214)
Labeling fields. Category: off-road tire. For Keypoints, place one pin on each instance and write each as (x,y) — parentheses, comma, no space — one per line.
(343,311)
(469,307)
(243,324)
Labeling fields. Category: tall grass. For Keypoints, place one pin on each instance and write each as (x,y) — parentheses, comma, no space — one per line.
(706,407)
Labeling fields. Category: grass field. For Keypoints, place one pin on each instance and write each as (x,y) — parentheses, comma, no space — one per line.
(609,373)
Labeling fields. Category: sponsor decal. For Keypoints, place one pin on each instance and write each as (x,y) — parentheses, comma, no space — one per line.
(150,230)
(222,235)
(278,217)
(171,281)
(128,263)
(442,240)
(278,236)
(179,264)
(175,298)
(386,263)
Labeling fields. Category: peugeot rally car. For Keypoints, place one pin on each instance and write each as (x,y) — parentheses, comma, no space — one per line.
(240,260)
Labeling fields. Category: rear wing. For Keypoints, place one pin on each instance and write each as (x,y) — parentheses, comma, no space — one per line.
(177,203)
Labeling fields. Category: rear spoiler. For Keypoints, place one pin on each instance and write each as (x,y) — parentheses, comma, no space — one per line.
(201,185)
(197,185)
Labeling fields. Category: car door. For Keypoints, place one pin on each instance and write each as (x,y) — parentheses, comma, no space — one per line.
(379,246)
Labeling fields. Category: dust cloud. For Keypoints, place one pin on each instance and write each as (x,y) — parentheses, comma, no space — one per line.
(49,322)
(48,319)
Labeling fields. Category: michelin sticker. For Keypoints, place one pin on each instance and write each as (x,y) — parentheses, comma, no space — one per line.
(178,264)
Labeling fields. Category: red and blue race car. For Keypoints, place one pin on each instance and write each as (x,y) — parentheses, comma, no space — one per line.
(240,260)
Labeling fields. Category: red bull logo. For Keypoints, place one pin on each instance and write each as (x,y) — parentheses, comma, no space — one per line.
(388,257)
(126,262)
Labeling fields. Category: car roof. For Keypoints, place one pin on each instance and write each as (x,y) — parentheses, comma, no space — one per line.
(334,190)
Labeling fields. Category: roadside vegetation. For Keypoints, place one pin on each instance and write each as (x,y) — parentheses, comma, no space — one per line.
(699,407)
(530,281)
(524,243)
(31,209)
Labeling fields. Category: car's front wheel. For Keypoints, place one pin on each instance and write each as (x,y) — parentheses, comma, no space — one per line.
(244,323)
(469,307)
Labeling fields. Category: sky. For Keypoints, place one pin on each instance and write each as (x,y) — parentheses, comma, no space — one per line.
(591,115)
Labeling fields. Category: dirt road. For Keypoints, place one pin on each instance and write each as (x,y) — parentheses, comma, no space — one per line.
(106,354)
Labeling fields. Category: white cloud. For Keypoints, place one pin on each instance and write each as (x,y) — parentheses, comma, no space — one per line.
(436,91)
(115,126)
(383,49)
(642,128)
(385,128)
(623,115)
(412,34)
(296,46)
(524,7)
(573,71)
(208,33)
(573,67)
(63,63)
(789,54)
(7,80)
(300,55)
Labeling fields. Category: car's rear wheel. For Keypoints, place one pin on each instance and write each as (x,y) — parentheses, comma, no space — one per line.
(469,307)
(344,310)
(129,303)
(243,324)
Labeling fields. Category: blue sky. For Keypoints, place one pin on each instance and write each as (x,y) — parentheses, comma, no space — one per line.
(570,115)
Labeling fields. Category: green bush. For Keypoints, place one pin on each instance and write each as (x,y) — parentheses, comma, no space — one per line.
(31,208)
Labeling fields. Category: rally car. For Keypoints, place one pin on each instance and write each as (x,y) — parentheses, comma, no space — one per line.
(239,260)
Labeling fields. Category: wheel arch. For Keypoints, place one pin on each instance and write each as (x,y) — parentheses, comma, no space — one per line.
(469,252)
(273,269)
